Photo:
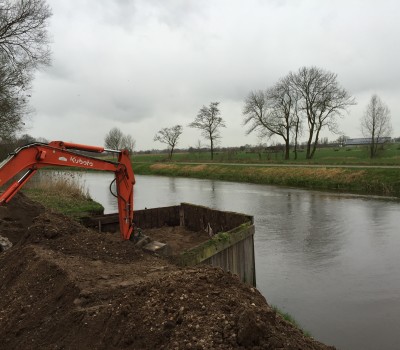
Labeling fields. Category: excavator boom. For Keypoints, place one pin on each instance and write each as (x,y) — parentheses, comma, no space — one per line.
(34,156)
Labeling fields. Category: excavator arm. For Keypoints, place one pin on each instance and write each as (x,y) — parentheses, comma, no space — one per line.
(32,157)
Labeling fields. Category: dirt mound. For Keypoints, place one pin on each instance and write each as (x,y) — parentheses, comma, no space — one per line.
(17,216)
(66,287)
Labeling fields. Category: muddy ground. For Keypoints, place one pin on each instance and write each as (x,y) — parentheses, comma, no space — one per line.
(63,286)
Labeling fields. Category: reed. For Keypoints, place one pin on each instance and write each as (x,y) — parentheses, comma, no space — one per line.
(64,192)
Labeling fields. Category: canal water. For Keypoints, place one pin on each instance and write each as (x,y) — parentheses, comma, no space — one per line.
(330,260)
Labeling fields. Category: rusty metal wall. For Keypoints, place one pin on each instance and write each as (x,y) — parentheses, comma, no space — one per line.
(157,217)
(194,217)
(235,254)
(197,217)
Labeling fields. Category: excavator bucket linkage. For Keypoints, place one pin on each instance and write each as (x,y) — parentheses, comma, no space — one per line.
(28,159)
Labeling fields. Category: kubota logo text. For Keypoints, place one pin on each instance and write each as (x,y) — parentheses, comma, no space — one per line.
(79,161)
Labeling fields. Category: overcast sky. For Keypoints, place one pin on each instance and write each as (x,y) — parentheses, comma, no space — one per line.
(141,65)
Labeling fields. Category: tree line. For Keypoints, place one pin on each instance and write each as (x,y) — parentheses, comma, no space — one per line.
(302,103)
(305,102)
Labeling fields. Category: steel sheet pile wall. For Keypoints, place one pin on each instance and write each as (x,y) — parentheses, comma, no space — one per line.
(231,243)
(237,259)
(231,247)
(144,219)
(157,217)
(197,217)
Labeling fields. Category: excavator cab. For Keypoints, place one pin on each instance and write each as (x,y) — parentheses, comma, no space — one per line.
(30,158)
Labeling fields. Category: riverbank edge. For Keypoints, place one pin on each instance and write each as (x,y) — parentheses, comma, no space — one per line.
(77,208)
(364,181)
(72,206)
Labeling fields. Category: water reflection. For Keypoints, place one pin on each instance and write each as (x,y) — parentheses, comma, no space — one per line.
(172,186)
(331,260)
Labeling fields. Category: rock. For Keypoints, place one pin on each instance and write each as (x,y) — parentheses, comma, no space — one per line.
(4,244)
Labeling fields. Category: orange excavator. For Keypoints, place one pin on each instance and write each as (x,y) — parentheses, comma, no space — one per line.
(28,159)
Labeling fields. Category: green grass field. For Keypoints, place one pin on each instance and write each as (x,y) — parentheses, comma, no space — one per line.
(371,181)
(324,156)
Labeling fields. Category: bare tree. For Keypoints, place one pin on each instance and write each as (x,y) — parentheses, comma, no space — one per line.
(321,101)
(297,128)
(342,139)
(113,139)
(24,47)
(170,137)
(199,146)
(376,123)
(23,32)
(209,122)
(255,111)
(128,142)
(272,112)
(13,102)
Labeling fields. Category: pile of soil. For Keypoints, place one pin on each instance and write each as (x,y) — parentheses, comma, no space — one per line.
(178,238)
(64,286)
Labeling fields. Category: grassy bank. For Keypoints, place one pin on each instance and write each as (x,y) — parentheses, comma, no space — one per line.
(384,182)
(288,317)
(63,194)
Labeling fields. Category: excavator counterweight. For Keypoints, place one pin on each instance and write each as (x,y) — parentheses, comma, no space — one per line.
(32,157)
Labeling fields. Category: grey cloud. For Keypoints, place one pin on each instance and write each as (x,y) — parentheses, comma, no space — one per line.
(131,110)
(153,62)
